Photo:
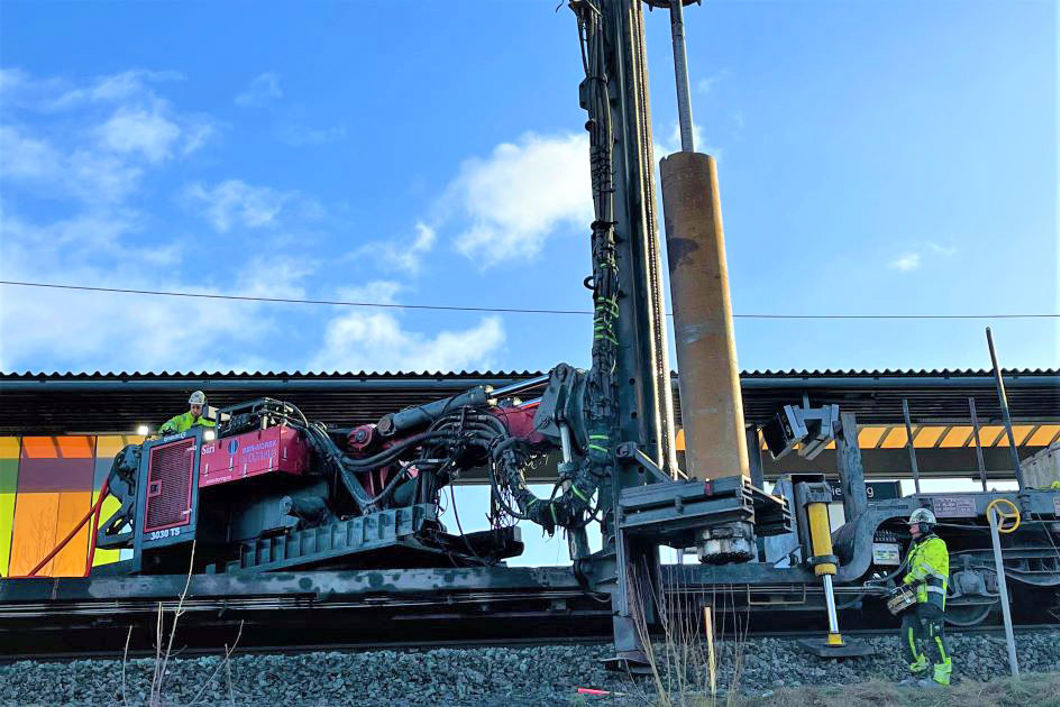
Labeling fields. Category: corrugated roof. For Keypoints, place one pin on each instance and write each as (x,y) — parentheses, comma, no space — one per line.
(38,403)
(323,375)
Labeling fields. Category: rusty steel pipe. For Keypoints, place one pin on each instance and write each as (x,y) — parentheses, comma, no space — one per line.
(709,378)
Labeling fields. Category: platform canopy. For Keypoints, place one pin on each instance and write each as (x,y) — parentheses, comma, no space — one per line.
(36,404)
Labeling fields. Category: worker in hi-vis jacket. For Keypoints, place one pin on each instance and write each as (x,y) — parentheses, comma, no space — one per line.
(928,573)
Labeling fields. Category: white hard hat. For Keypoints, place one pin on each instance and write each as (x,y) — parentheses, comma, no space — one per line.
(197,398)
(922,515)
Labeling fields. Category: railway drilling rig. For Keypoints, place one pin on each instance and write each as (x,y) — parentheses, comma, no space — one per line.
(270,505)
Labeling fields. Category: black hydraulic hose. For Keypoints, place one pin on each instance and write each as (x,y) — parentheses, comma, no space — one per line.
(389,488)
(391,453)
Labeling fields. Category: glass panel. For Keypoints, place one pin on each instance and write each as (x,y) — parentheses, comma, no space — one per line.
(54,493)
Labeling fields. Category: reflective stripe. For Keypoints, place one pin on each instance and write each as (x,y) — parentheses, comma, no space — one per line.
(912,647)
(942,649)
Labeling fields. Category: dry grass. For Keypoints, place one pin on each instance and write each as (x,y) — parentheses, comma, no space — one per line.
(1030,690)
(685,666)
(164,642)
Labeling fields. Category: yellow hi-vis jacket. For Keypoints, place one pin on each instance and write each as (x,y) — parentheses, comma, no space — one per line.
(929,570)
(184,422)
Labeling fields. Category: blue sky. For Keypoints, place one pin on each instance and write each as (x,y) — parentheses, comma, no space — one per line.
(874,157)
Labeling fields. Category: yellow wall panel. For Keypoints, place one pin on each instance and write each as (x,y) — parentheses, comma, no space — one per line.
(110,505)
(107,446)
(9,450)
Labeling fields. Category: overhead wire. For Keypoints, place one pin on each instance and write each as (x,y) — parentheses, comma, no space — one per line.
(505,310)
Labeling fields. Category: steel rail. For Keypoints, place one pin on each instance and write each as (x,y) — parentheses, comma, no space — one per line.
(602,639)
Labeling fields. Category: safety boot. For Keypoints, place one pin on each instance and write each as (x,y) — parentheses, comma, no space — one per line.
(942,672)
(920,667)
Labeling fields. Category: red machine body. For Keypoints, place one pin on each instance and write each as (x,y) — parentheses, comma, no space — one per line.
(272,450)
(519,419)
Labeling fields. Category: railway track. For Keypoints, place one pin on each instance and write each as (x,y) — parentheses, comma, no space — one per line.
(427,644)
(298,612)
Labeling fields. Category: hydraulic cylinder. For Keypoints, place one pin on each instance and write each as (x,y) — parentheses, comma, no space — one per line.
(824,564)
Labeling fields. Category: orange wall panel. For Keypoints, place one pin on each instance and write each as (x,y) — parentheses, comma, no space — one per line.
(39,448)
(36,515)
(70,562)
(76,447)
(54,493)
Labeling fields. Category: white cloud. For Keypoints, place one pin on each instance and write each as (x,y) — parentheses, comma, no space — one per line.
(403,255)
(196,135)
(130,128)
(88,163)
(263,89)
(709,83)
(915,257)
(20,89)
(142,131)
(907,262)
(26,157)
(233,202)
(520,196)
(672,143)
(90,330)
(84,173)
(363,339)
(946,250)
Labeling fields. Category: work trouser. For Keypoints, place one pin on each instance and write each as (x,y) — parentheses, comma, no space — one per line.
(924,622)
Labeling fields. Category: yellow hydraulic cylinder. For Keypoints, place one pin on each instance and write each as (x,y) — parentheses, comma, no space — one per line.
(824,564)
(821,537)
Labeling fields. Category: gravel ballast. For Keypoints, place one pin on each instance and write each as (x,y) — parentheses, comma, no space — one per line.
(541,675)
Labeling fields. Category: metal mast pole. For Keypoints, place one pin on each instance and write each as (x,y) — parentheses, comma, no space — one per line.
(684,104)
(1003,399)
(615,93)
(978,445)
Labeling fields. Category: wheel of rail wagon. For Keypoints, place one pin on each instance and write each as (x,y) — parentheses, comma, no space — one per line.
(966,615)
